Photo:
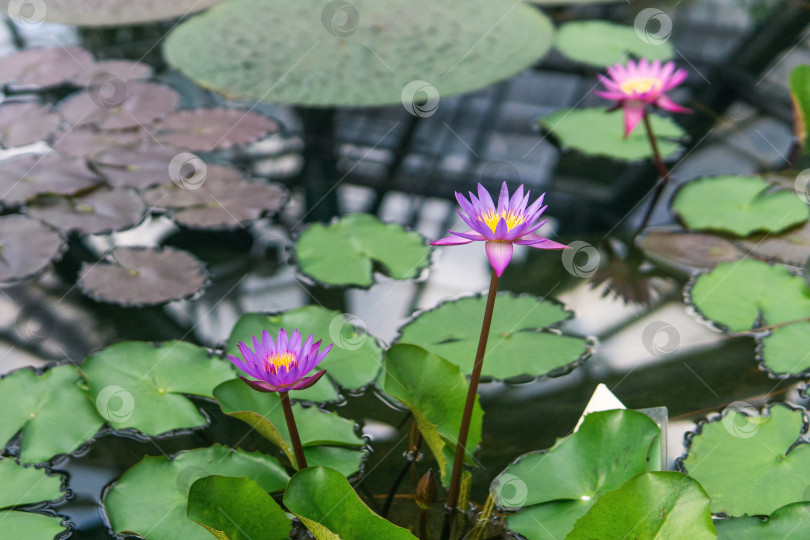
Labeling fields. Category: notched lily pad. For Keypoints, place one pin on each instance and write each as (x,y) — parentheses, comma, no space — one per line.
(790,247)
(24,123)
(112,72)
(27,247)
(688,252)
(119,106)
(143,276)
(24,177)
(101,211)
(603,43)
(791,522)
(206,130)
(36,69)
(27,486)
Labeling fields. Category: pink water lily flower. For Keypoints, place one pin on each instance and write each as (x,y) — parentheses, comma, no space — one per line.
(282,365)
(634,86)
(510,223)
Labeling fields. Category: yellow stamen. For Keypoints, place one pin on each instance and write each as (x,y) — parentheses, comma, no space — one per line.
(641,85)
(275,361)
(492,218)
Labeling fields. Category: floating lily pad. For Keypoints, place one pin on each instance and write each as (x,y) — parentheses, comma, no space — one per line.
(101,211)
(556,488)
(139,166)
(688,252)
(36,69)
(150,499)
(122,106)
(115,12)
(345,460)
(516,345)
(344,252)
(237,509)
(603,43)
(52,410)
(27,247)
(791,522)
(739,205)
(785,350)
(24,177)
(596,131)
(24,123)
(27,486)
(357,54)
(325,502)
(435,391)
(87,142)
(748,464)
(650,505)
(112,72)
(790,247)
(206,130)
(137,385)
(18,525)
(143,276)
(354,360)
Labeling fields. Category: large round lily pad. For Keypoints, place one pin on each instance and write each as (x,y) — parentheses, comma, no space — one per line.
(27,247)
(24,123)
(122,106)
(26,486)
(87,142)
(101,211)
(361,53)
(603,43)
(35,69)
(24,177)
(206,130)
(791,522)
(143,276)
(114,12)
(516,345)
(150,499)
(138,166)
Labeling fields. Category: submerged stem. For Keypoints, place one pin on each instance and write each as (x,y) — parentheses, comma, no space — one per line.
(300,460)
(663,173)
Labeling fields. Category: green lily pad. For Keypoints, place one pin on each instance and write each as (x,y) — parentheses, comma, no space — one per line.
(791,522)
(596,131)
(344,252)
(262,411)
(137,385)
(603,43)
(237,509)
(799,85)
(738,205)
(325,502)
(515,346)
(307,52)
(150,499)
(784,350)
(353,362)
(22,486)
(52,410)
(435,391)
(554,489)
(345,460)
(748,464)
(17,525)
(652,505)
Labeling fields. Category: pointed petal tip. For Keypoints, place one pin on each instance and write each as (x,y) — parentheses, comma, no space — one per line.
(499,255)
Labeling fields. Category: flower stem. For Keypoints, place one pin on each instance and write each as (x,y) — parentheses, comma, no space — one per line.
(300,460)
(461,446)
(663,173)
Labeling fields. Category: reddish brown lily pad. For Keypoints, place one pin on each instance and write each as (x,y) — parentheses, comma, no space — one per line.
(25,177)
(206,130)
(27,247)
(36,69)
(112,71)
(791,247)
(119,105)
(102,211)
(143,276)
(24,123)
(688,252)
(138,167)
(87,142)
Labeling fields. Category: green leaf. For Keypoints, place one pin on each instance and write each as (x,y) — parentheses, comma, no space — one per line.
(358,54)
(435,391)
(745,462)
(353,362)
(19,525)
(603,43)
(799,83)
(26,485)
(790,522)
(343,252)
(650,506)
(736,294)
(263,412)
(52,410)
(596,131)
(739,205)
(556,488)
(137,385)
(784,350)
(325,502)
(515,345)
(237,509)
(150,498)
(345,460)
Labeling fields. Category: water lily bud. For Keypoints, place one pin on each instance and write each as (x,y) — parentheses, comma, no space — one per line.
(426,490)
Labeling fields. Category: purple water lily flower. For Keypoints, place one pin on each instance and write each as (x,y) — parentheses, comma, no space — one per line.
(281,366)
(510,223)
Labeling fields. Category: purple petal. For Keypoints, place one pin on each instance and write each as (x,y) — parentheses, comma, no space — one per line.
(261,386)
(468,220)
(665,103)
(633,113)
(306,382)
(503,198)
(535,205)
(501,229)
(514,202)
(537,241)
(499,255)
(450,241)
(465,204)
(267,342)
(243,366)
(485,199)
(282,341)
(475,236)
(295,342)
